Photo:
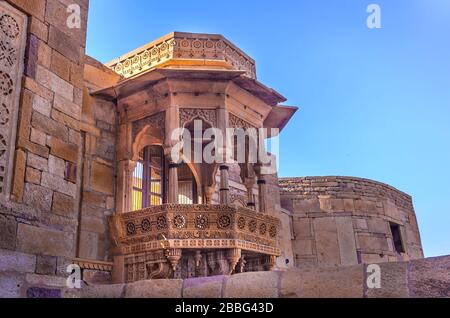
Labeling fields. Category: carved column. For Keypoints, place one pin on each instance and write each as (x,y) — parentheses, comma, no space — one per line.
(173,255)
(249,184)
(262,194)
(224,186)
(173,183)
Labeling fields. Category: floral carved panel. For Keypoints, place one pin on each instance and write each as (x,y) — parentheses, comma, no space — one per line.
(189,114)
(13,26)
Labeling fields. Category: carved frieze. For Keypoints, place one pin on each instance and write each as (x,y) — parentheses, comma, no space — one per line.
(237,122)
(13,27)
(179,46)
(189,114)
(155,121)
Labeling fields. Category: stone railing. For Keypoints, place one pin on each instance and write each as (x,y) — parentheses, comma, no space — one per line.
(176,47)
(174,226)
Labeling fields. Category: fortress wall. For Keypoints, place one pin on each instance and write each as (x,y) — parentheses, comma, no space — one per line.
(417,278)
(38,221)
(346,221)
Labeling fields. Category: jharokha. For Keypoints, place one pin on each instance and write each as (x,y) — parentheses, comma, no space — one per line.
(87,176)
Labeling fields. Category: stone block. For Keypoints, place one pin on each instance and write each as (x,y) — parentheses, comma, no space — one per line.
(49,126)
(205,287)
(66,120)
(327,246)
(67,107)
(63,149)
(32,239)
(46,265)
(54,82)
(37,162)
(38,197)
(42,105)
(64,44)
(34,8)
(89,242)
(8,232)
(10,284)
(60,65)
(377,225)
(46,280)
(364,206)
(429,277)
(44,54)
(39,29)
(306,205)
(93,198)
(302,227)
(58,184)
(19,176)
(56,166)
(336,282)
(103,291)
(17,261)
(102,178)
(63,205)
(158,288)
(394,281)
(346,239)
(303,247)
(56,15)
(38,137)
(252,285)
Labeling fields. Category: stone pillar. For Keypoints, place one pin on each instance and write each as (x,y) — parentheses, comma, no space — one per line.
(249,184)
(224,187)
(173,183)
(262,194)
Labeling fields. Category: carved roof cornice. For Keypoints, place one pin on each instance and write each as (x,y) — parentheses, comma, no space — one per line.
(185,49)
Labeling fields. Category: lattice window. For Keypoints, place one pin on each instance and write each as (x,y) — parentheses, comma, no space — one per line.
(13,26)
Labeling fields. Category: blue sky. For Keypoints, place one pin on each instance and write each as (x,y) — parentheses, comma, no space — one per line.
(374,103)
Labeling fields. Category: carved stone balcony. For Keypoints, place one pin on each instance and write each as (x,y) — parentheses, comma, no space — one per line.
(194,240)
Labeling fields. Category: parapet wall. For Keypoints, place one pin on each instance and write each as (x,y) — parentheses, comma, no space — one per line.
(346,221)
(419,278)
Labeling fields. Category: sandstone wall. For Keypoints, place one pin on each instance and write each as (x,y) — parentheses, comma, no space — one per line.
(346,221)
(38,222)
(99,125)
(418,278)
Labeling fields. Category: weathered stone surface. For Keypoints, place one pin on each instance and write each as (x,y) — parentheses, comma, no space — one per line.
(394,281)
(19,175)
(103,291)
(38,137)
(67,107)
(33,176)
(32,239)
(205,287)
(60,66)
(8,231)
(17,261)
(61,42)
(37,162)
(56,166)
(34,8)
(429,277)
(252,285)
(42,105)
(10,284)
(54,82)
(38,197)
(346,240)
(49,126)
(327,241)
(336,282)
(63,204)
(102,178)
(46,280)
(154,289)
(46,265)
(58,184)
(62,149)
